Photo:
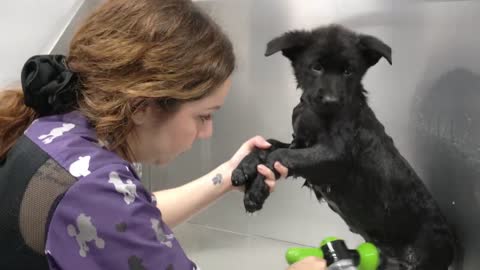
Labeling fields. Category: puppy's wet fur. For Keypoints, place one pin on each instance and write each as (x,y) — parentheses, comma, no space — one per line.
(343,152)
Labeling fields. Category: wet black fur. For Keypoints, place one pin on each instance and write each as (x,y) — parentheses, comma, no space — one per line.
(343,152)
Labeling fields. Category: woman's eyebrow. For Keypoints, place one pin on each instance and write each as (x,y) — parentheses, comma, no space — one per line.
(214,107)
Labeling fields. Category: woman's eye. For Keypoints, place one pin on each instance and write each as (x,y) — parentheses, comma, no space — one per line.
(206,117)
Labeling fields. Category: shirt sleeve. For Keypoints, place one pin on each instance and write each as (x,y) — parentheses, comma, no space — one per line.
(108,220)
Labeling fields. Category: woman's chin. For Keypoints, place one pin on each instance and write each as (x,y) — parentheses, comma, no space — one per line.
(164,160)
(160,162)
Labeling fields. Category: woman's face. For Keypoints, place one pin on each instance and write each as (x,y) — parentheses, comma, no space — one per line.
(160,136)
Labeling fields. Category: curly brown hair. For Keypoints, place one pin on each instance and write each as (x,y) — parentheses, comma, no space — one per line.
(128,52)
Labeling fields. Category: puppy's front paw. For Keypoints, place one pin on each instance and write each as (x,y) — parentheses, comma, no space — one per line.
(238,177)
(256,194)
(251,204)
(246,171)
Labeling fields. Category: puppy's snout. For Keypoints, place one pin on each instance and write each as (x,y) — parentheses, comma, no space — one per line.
(330,100)
(325,100)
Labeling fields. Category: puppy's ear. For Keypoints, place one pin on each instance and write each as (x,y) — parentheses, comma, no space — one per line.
(373,49)
(290,43)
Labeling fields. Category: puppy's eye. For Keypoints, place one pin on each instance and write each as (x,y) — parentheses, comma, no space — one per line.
(348,72)
(317,68)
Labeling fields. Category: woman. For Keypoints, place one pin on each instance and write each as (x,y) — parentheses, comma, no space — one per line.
(140,84)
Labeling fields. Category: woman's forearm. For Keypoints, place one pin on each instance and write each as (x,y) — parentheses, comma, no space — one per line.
(179,204)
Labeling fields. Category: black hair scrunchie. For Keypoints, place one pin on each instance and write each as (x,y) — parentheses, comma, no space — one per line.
(49,87)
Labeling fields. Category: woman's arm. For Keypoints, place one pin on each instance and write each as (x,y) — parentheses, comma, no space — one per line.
(179,204)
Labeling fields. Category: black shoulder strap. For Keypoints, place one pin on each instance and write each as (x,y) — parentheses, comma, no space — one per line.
(16,171)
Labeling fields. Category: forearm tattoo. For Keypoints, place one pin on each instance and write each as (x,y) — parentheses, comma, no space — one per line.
(217,180)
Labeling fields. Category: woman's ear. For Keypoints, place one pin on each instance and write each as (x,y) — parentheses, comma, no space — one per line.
(141,113)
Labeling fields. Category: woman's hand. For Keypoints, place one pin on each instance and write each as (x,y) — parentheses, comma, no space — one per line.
(249,146)
(309,263)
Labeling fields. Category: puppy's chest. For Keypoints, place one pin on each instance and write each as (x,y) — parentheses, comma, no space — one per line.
(345,197)
(337,137)
(339,196)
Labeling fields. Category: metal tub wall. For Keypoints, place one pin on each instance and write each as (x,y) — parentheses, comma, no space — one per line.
(30,27)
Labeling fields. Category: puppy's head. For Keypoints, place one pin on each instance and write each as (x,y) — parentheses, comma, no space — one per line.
(329,63)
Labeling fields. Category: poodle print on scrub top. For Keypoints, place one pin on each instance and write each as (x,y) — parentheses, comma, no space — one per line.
(128,189)
(84,232)
(80,167)
(56,132)
(161,237)
(106,217)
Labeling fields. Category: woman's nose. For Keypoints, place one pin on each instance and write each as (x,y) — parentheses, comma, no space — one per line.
(206,130)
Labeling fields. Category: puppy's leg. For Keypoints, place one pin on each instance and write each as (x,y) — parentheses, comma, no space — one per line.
(297,161)
(432,248)
(301,161)
(390,263)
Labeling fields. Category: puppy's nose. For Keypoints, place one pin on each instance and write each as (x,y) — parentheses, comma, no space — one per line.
(327,99)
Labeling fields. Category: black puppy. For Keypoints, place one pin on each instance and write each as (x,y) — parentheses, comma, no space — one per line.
(343,152)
